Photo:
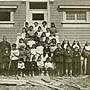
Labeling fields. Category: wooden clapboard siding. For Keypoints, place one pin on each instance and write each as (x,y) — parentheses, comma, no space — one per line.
(19,19)
(81,34)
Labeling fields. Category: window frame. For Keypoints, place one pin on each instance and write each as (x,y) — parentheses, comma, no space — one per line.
(11,16)
(77,21)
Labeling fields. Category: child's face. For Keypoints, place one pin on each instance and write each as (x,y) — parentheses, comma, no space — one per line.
(21,41)
(13,47)
(26,25)
(48,30)
(33,46)
(36,24)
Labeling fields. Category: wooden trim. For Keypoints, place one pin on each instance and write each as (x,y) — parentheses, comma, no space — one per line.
(14,7)
(65,7)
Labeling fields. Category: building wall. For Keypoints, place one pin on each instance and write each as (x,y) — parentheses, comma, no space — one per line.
(70,33)
(19,19)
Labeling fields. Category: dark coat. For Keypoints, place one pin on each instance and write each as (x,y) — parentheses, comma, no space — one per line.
(58,55)
(76,56)
(68,55)
(46,51)
(5,51)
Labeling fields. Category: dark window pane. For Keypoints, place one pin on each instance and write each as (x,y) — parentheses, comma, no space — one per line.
(4,16)
(38,5)
(38,16)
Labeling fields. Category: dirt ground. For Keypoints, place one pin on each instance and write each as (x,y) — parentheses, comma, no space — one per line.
(50,83)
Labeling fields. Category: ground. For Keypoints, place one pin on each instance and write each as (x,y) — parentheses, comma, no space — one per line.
(49,83)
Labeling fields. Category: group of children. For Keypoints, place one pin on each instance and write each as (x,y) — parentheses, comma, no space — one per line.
(39,52)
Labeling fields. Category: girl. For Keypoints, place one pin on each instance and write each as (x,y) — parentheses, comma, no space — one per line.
(14,60)
(53,28)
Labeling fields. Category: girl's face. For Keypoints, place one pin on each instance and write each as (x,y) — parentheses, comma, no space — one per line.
(48,30)
(13,47)
(39,29)
(36,24)
(21,41)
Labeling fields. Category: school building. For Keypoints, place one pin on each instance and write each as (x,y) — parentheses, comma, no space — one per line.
(72,17)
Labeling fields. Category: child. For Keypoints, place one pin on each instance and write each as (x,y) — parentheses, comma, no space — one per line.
(47,41)
(39,31)
(27,61)
(14,60)
(21,67)
(39,50)
(53,28)
(48,67)
(48,32)
(33,51)
(23,34)
(46,51)
(30,42)
(52,35)
(52,48)
(40,64)
(44,26)
(33,66)
(26,26)
(68,61)
(43,36)
(58,60)
(30,32)
(21,43)
(36,38)
(76,61)
(35,26)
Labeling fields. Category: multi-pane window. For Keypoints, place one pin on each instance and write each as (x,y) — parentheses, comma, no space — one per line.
(38,16)
(75,15)
(4,16)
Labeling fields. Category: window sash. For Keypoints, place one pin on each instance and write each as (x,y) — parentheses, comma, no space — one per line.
(74,15)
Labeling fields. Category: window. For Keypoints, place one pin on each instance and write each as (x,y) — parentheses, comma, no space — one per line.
(4,16)
(38,16)
(76,15)
(38,5)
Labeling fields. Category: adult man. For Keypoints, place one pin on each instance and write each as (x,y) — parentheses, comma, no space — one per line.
(5,50)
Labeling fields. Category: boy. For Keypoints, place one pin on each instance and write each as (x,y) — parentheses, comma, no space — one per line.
(14,59)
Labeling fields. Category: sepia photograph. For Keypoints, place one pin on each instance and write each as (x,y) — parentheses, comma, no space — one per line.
(44,44)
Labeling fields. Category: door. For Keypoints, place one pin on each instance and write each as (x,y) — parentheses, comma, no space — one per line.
(37,12)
